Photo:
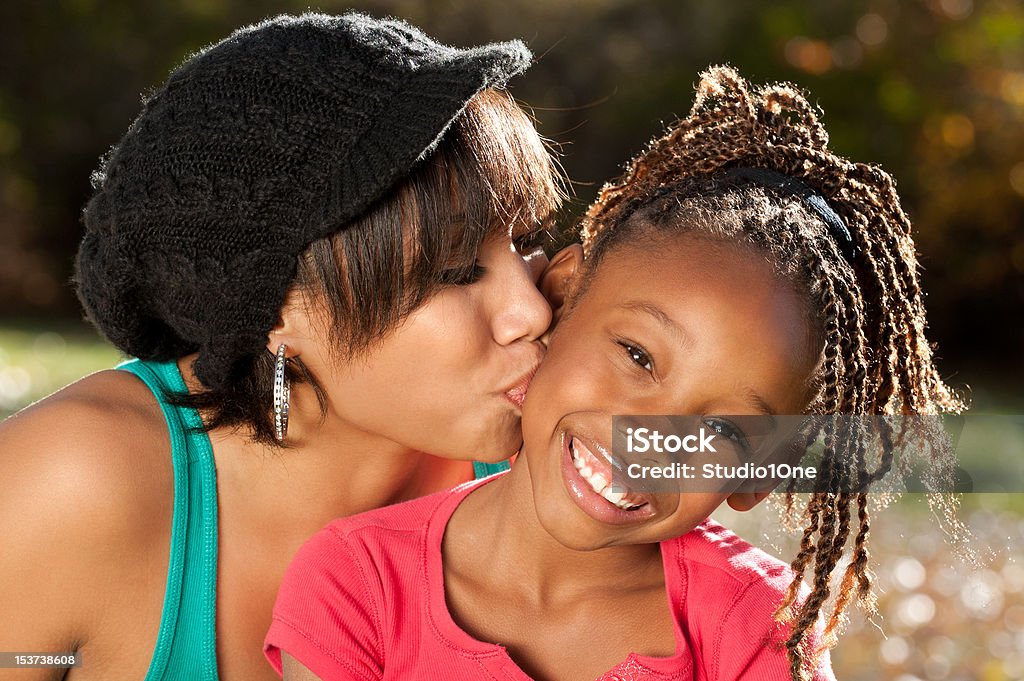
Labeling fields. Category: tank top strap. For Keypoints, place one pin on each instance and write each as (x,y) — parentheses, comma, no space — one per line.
(186,644)
(482,469)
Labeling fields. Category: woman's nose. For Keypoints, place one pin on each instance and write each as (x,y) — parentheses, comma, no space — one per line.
(522,312)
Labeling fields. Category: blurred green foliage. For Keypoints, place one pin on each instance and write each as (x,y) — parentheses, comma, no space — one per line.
(933,90)
(35,362)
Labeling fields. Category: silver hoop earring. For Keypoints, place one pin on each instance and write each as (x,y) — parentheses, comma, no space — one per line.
(282,395)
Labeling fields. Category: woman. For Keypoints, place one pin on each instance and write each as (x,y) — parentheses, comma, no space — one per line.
(316,239)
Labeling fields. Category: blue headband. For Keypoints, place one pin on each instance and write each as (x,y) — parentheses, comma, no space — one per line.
(791,186)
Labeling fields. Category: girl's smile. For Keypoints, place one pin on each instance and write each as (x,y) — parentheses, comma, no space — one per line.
(587,472)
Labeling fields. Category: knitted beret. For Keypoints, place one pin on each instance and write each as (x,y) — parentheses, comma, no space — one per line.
(281,134)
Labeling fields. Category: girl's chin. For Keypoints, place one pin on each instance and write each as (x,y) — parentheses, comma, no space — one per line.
(574,538)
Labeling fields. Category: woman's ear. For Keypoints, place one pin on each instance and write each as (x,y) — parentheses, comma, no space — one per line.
(557,277)
(292,327)
(744,501)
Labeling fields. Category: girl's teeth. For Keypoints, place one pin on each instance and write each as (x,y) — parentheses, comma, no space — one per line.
(578,446)
(598,482)
(596,479)
(613,496)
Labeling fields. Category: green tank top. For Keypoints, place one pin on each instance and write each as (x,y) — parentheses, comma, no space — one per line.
(186,646)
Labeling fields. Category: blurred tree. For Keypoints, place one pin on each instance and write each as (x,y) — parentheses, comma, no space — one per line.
(933,90)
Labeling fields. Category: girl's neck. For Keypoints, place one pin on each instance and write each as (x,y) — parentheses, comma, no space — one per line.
(499,521)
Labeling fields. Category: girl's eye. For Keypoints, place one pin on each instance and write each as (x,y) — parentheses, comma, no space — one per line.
(531,241)
(638,355)
(463,276)
(730,431)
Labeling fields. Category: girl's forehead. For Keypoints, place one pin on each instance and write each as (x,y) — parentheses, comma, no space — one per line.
(722,301)
(687,259)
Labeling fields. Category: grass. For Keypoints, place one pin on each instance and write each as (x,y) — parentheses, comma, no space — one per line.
(36,361)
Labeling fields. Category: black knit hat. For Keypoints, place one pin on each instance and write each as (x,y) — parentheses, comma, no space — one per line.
(281,134)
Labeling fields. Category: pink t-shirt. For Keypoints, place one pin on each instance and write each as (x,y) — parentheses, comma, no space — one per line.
(364,600)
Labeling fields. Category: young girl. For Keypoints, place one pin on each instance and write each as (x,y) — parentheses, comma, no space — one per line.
(315,239)
(739,268)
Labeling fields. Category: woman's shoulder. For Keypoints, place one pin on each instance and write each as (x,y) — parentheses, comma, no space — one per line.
(86,491)
(94,456)
(106,414)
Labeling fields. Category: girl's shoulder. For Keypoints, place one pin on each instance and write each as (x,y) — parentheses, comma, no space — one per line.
(371,567)
(386,550)
(713,547)
(390,529)
(714,565)
(737,588)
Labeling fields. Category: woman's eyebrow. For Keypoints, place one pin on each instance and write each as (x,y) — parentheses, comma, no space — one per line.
(657,313)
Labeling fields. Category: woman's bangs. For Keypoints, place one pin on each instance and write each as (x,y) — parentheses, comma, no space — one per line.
(506,175)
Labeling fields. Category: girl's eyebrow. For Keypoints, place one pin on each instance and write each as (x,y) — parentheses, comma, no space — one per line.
(759,403)
(657,313)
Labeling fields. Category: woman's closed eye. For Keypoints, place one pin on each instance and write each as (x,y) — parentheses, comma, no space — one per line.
(527,243)
(463,276)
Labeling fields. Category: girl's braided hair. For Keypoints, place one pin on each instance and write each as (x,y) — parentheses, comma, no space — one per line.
(866,310)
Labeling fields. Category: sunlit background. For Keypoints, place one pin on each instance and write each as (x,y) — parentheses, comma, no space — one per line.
(933,90)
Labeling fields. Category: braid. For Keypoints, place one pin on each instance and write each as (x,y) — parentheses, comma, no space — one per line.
(803,557)
(868,314)
(856,571)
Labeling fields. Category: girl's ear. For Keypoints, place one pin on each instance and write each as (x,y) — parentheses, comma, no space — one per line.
(557,277)
(744,501)
(556,281)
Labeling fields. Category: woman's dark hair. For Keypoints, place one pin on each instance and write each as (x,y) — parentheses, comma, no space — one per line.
(866,310)
(491,174)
